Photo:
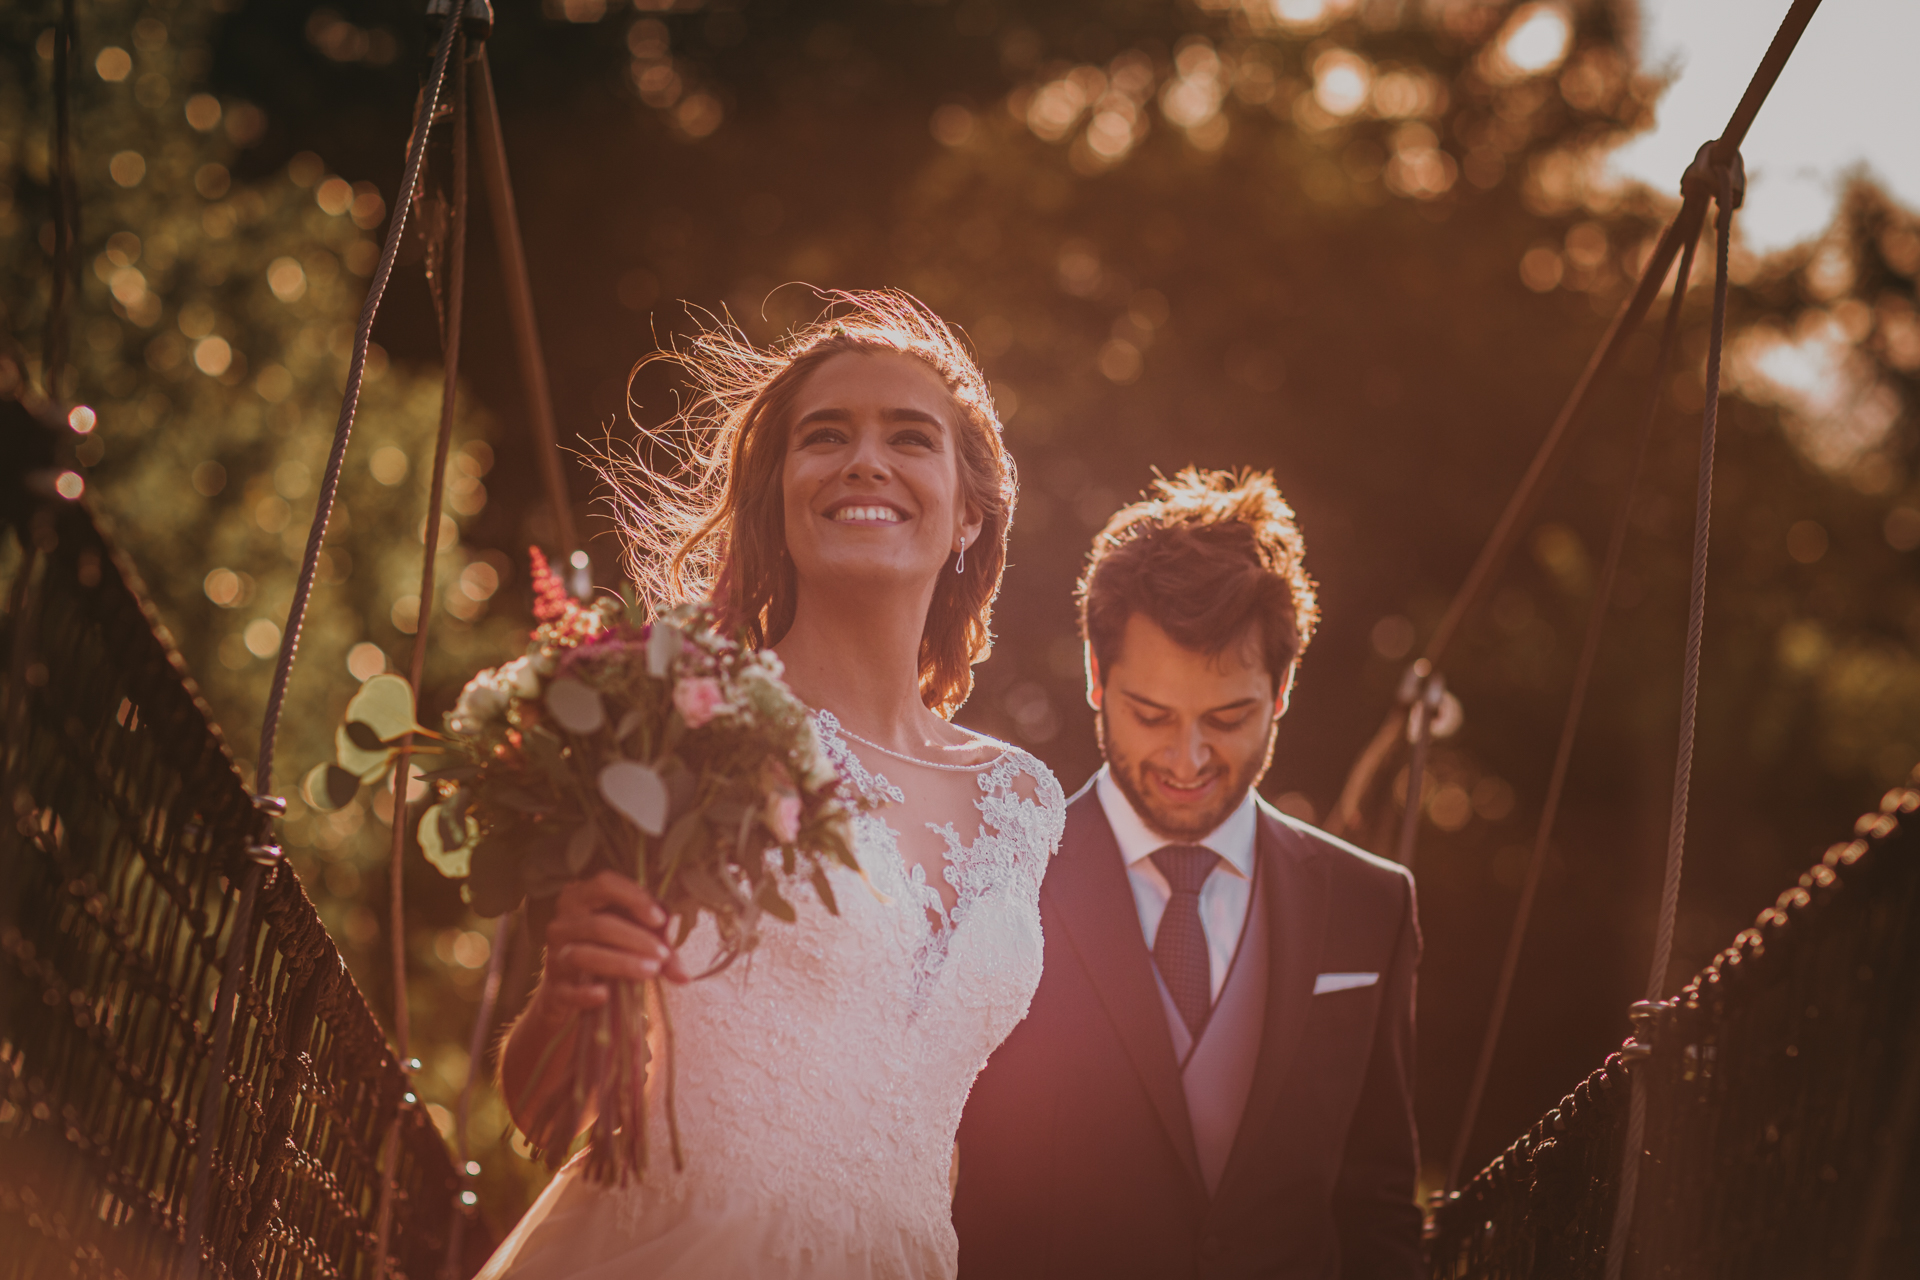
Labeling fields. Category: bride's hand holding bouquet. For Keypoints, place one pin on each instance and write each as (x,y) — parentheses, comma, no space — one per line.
(623,777)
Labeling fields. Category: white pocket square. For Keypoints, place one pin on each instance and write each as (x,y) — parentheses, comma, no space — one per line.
(1342,982)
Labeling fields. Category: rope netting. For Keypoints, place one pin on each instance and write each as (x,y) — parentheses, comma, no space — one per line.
(1782,1093)
(126,836)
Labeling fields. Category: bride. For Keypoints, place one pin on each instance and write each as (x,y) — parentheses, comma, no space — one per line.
(849,509)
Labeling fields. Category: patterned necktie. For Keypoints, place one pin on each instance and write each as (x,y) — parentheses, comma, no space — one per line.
(1180,944)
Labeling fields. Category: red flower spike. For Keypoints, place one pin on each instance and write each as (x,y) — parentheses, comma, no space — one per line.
(550,598)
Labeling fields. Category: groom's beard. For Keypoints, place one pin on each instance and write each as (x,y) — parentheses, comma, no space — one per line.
(1188,825)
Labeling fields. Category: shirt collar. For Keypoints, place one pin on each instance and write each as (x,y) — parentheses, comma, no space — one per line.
(1233,839)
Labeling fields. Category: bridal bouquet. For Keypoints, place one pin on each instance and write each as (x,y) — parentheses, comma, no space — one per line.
(662,750)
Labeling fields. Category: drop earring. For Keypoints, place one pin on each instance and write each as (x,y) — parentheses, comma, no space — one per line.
(960,565)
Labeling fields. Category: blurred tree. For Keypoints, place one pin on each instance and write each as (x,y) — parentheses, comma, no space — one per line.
(1366,243)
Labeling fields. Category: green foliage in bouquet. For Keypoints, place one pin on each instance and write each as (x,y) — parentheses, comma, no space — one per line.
(663,751)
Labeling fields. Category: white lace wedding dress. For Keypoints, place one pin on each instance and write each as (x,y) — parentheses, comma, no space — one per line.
(820,1082)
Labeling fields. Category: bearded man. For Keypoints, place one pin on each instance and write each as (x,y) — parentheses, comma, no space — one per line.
(1215,1077)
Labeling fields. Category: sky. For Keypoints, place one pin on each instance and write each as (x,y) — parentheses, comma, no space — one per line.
(1850,96)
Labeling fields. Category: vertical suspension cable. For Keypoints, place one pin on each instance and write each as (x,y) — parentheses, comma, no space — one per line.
(1576,703)
(1730,185)
(1346,811)
(455,271)
(264,853)
(526,332)
(66,200)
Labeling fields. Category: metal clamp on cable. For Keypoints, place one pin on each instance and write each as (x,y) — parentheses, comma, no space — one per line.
(1725,181)
(264,849)
(476,17)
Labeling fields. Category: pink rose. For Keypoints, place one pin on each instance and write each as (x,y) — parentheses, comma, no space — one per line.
(698,700)
(783,817)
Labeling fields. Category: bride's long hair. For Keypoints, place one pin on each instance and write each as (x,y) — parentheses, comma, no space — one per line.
(700,498)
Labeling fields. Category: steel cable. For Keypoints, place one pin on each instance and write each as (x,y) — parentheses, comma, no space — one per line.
(264,852)
(455,274)
(66,208)
(526,332)
(1576,703)
(1493,553)
(1726,198)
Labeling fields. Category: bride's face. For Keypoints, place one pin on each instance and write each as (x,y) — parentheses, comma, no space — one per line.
(872,477)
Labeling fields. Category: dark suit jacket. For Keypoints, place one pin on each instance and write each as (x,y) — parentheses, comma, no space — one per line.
(1076,1155)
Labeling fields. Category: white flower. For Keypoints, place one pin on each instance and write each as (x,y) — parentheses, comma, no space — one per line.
(481,702)
(520,678)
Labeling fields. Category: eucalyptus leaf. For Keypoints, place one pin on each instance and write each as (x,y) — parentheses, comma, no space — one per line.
(637,792)
(362,736)
(384,704)
(453,828)
(358,761)
(453,863)
(575,707)
(328,787)
(628,723)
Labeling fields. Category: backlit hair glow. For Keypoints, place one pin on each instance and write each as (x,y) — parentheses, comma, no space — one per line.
(700,498)
(1206,555)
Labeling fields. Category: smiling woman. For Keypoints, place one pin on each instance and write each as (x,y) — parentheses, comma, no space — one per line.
(842,499)
(721,527)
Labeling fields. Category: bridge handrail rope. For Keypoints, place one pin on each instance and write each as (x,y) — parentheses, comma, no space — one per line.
(1493,553)
(265,853)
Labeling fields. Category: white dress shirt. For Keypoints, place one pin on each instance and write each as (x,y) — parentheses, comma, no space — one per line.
(1228,887)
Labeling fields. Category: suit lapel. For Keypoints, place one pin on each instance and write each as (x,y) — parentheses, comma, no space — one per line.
(1296,901)
(1087,888)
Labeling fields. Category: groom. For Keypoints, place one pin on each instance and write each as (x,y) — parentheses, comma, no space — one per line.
(1216,1074)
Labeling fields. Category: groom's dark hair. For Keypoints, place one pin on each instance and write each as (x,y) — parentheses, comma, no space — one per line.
(1205,555)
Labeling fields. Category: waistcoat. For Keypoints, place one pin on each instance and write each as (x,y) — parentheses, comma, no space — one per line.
(1217,1073)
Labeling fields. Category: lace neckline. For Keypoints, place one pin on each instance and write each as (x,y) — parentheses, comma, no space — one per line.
(974,867)
(830,725)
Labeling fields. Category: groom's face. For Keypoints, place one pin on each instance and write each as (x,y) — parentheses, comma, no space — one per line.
(1185,734)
